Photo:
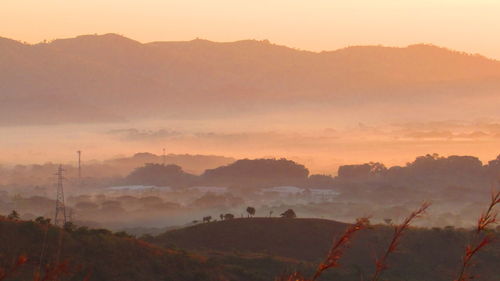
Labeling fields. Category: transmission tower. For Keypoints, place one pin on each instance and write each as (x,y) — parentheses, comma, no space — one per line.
(60,218)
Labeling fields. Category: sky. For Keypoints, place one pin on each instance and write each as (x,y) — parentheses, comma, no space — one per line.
(466,25)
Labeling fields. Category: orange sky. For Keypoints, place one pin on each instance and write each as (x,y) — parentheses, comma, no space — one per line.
(467,25)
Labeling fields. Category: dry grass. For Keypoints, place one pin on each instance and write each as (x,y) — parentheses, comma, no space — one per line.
(381,263)
(339,246)
(477,242)
(481,239)
(8,272)
(51,273)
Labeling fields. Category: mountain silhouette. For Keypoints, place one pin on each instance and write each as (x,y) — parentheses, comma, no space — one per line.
(110,78)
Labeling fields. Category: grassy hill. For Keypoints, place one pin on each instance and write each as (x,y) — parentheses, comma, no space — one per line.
(254,249)
(424,254)
(281,237)
(100,255)
(97,255)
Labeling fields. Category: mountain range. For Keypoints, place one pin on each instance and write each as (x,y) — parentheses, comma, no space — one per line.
(110,78)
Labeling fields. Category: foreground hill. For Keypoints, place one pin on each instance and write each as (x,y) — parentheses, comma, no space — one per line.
(425,254)
(100,255)
(96,255)
(98,78)
(282,237)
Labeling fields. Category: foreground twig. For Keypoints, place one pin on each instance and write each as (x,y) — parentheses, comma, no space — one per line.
(5,273)
(487,218)
(334,254)
(381,263)
(338,247)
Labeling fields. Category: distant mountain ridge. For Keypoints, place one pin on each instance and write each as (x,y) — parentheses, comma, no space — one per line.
(110,78)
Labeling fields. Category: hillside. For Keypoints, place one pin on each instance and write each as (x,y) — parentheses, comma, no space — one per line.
(240,235)
(100,255)
(437,252)
(110,78)
(96,254)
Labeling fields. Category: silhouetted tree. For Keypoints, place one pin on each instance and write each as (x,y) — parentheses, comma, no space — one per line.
(320,181)
(288,214)
(42,220)
(258,173)
(207,219)
(364,170)
(160,175)
(123,234)
(69,226)
(14,215)
(251,211)
(228,216)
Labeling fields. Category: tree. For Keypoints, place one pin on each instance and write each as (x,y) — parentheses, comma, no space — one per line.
(160,175)
(207,219)
(361,171)
(251,211)
(14,215)
(69,226)
(257,173)
(289,214)
(123,234)
(228,216)
(43,221)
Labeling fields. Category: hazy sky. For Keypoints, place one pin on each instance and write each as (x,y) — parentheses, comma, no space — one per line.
(467,25)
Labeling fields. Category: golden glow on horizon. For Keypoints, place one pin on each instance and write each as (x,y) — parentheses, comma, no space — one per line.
(466,25)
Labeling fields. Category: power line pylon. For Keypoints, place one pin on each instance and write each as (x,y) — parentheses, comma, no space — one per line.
(60,218)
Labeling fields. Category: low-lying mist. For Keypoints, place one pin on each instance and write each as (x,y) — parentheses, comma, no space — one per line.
(149,193)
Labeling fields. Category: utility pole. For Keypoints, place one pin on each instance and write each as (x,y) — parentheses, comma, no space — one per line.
(79,167)
(60,218)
